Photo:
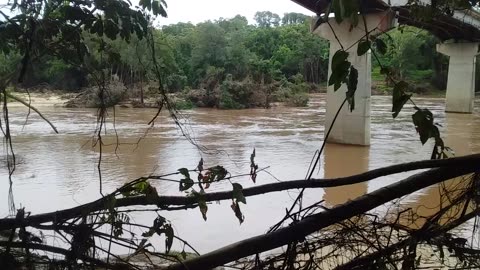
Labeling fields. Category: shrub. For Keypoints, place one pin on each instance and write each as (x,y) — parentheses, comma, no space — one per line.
(293,93)
(184,104)
(298,100)
(227,101)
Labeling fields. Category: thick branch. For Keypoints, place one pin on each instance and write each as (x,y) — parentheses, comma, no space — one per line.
(52,249)
(362,262)
(309,225)
(466,161)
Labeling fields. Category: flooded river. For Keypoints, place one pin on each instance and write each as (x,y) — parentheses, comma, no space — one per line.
(60,171)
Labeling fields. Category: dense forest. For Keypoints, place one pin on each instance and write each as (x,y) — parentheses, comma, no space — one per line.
(229,63)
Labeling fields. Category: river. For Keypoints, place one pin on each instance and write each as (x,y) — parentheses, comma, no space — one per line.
(57,171)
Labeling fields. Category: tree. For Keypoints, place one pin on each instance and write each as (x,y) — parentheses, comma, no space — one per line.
(267,19)
(294,18)
(209,49)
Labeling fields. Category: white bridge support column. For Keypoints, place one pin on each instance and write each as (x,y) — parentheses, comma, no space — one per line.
(351,127)
(461,76)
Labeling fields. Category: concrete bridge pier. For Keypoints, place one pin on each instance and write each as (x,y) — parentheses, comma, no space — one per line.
(461,75)
(351,127)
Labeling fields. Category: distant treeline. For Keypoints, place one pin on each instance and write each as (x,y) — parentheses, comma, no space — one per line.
(276,50)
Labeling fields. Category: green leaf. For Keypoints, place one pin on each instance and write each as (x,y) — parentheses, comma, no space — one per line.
(399,97)
(339,58)
(203,209)
(381,46)
(169,234)
(202,203)
(238,213)
(200,165)
(252,157)
(184,172)
(354,19)
(238,193)
(423,121)
(339,74)
(337,10)
(352,87)
(363,47)
(111,29)
(146,4)
(186,182)
(158,9)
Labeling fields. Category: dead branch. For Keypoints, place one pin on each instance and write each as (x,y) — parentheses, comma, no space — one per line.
(471,162)
(313,223)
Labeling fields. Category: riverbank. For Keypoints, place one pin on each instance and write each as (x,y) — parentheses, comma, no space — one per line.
(54,99)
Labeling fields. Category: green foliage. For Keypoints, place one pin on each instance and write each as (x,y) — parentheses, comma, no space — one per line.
(267,19)
(184,104)
(399,97)
(340,69)
(176,82)
(294,92)
(160,227)
(186,183)
(235,95)
(363,47)
(238,193)
(298,100)
(188,56)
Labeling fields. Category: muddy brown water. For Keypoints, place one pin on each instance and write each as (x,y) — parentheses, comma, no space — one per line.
(60,171)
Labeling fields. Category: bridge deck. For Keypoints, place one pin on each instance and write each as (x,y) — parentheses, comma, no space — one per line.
(462,25)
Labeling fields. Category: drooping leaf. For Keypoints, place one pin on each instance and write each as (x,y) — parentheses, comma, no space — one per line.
(337,10)
(381,46)
(186,182)
(158,9)
(146,4)
(111,29)
(200,165)
(202,203)
(340,67)
(423,121)
(238,193)
(399,97)
(252,157)
(352,87)
(169,234)
(339,58)
(354,19)
(363,47)
(253,167)
(238,212)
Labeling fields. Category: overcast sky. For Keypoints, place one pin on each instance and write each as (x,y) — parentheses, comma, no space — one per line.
(196,11)
(201,10)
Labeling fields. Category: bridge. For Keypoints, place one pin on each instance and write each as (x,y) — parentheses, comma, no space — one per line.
(458,31)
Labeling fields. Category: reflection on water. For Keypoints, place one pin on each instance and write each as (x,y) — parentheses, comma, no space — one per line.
(345,160)
(59,171)
(462,134)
